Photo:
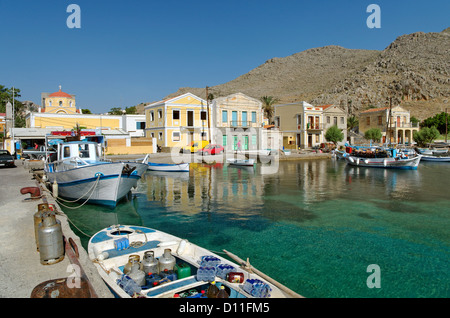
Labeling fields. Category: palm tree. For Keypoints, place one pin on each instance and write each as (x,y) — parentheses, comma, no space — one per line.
(352,122)
(268,102)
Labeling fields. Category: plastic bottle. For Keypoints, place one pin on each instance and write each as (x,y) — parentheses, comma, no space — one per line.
(222,293)
(128,285)
(212,290)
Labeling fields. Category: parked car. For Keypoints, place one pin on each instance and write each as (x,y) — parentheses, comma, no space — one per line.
(212,149)
(195,146)
(6,159)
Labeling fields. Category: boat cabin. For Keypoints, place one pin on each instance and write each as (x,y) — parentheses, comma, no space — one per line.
(87,151)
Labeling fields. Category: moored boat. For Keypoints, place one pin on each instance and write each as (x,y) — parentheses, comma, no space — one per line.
(241,162)
(82,176)
(436,158)
(137,261)
(168,167)
(407,163)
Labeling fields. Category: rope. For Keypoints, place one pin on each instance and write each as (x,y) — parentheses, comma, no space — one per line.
(77,207)
(93,186)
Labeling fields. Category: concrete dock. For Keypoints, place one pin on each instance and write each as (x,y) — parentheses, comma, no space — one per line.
(20,267)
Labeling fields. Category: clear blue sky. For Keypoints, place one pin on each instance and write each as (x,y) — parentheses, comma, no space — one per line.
(127,52)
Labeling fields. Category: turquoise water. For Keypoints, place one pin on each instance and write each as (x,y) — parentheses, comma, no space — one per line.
(315,226)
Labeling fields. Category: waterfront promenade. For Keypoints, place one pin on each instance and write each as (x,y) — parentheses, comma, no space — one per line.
(20,267)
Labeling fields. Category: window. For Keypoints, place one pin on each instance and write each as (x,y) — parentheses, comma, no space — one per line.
(50,103)
(66,152)
(224,116)
(60,103)
(224,140)
(175,114)
(176,136)
(152,116)
(159,113)
(160,135)
(277,122)
(203,115)
(328,119)
(342,120)
(380,120)
(254,117)
(368,121)
(140,125)
(335,121)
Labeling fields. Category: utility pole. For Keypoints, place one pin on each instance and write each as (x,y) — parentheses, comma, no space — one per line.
(207,110)
(446,124)
(388,123)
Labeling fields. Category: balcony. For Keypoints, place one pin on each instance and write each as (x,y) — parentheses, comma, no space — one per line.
(311,126)
(241,124)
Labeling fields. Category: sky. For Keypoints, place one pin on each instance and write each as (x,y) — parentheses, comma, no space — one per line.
(128,52)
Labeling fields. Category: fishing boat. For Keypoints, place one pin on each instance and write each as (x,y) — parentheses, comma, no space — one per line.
(241,162)
(407,163)
(168,167)
(436,158)
(137,261)
(82,176)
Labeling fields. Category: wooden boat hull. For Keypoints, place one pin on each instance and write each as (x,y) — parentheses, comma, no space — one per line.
(167,167)
(436,158)
(241,162)
(102,245)
(386,163)
(103,183)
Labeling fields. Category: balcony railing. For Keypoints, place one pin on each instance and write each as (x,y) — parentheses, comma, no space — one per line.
(243,124)
(311,126)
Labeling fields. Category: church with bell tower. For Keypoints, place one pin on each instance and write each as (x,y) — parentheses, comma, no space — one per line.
(58,103)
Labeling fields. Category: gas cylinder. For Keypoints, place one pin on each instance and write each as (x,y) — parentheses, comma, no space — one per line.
(136,274)
(51,246)
(43,207)
(149,263)
(166,261)
(134,258)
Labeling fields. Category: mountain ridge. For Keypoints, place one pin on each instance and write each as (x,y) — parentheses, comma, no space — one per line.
(413,71)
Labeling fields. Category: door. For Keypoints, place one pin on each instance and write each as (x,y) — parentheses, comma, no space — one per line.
(234,118)
(309,140)
(245,142)
(190,118)
(244,120)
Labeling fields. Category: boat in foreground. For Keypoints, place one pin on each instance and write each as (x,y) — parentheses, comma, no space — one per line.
(81,175)
(241,162)
(168,167)
(137,261)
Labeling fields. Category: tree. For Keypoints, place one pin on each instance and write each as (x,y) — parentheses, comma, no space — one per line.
(6,95)
(86,111)
(352,122)
(268,102)
(334,134)
(426,136)
(373,134)
(438,121)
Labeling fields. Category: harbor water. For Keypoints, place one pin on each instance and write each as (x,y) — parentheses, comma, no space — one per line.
(319,227)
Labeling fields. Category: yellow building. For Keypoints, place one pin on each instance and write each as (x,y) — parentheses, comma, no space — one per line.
(177,121)
(301,124)
(396,129)
(58,102)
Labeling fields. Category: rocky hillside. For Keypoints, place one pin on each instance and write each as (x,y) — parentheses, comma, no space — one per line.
(414,71)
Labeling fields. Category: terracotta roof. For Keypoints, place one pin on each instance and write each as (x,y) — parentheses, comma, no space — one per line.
(60,94)
(325,106)
(374,110)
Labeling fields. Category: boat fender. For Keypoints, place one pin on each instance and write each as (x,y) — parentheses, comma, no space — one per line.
(357,161)
(351,159)
(163,244)
(384,162)
(102,256)
(55,189)
(181,247)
